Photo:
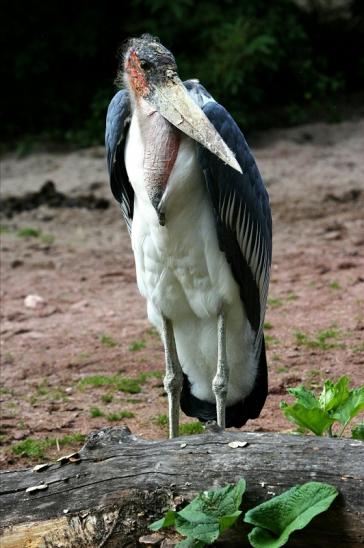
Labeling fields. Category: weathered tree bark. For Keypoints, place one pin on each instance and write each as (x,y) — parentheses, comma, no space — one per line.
(120,483)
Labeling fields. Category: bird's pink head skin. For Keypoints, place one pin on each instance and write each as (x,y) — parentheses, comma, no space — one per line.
(135,74)
(147,65)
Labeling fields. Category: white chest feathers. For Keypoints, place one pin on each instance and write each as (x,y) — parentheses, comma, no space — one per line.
(183,274)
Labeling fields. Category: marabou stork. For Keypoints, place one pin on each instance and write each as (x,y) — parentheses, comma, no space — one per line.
(200,224)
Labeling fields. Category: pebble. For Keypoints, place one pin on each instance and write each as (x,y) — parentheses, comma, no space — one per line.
(34,301)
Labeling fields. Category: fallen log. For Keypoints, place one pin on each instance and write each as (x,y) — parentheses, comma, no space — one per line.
(108,493)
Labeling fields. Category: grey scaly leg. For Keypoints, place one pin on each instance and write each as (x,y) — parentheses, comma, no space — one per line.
(173,378)
(220,381)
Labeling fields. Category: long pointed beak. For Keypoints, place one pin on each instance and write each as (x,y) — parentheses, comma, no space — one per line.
(174,103)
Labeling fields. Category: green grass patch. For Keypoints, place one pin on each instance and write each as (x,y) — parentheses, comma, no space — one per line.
(108,341)
(270,341)
(358,347)
(36,449)
(324,340)
(160,420)
(57,394)
(275,302)
(335,285)
(267,326)
(117,416)
(47,239)
(190,428)
(146,375)
(135,346)
(96,412)
(152,332)
(4,229)
(9,358)
(107,398)
(28,232)
(124,384)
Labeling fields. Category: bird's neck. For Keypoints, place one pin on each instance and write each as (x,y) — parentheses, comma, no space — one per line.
(161,144)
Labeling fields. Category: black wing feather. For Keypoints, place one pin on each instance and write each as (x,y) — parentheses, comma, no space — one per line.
(242,214)
(244,230)
(117,125)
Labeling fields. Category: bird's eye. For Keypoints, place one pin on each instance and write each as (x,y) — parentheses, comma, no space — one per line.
(145,65)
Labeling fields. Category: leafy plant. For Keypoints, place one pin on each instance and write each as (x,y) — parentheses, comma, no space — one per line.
(336,403)
(204,519)
(278,517)
(358,432)
(207,516)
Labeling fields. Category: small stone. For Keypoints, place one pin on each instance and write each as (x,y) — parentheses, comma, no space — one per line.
(236,444)
(34,301)
(80,305)
(183,445)
(66,510)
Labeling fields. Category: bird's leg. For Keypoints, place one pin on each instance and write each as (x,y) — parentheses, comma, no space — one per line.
(220,381)
(173,378)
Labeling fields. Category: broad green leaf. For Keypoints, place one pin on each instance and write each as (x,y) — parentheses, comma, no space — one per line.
(204,528)
(358,432)
(315,419)
(351,406)
(190,543)
(227,521)
(334,395)
(218,502)
(168,520)
(207,516)
(211,512)
(304,396)
(277,518)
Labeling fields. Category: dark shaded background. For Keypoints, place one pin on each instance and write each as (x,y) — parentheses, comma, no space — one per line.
(269,63)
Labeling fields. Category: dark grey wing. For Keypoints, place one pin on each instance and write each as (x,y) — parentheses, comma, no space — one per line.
(244,229)
(243,217)
(117,125)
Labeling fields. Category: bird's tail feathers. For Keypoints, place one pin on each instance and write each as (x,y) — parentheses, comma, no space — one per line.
(237,414)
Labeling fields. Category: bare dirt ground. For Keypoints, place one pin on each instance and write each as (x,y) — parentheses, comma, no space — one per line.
(57,358)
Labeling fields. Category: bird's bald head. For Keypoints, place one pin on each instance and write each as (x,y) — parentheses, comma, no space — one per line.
(147,63)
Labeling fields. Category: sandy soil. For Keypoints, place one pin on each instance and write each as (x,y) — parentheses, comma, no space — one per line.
(92,320)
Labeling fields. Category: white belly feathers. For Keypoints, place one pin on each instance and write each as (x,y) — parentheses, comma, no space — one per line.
(183,274)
